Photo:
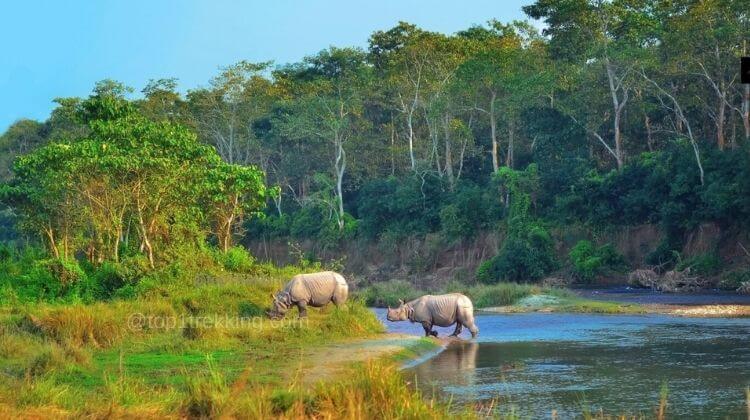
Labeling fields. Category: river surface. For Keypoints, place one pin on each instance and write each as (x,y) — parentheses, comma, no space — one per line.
(645,296)
(538,362)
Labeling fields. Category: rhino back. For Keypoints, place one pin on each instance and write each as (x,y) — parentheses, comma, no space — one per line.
(319,287)
(443,309)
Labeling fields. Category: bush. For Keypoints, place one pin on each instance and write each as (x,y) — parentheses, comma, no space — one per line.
(735,279)
(520,259)
(588,261)
(237,259)
(704,265)
(55,278)
(469,210)
(108,278)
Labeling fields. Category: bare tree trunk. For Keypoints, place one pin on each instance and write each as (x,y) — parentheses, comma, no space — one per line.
(145,241)
(410,124)
(51,239)
(746,111)
(511,145)
(493,133)
(393,146)
(340,166)
(677,109)
(618,105)
(448,151)
(720,122)
(227,240)
(649,133)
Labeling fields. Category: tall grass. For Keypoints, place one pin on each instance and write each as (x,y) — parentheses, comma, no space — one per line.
(484,296)
(88,358)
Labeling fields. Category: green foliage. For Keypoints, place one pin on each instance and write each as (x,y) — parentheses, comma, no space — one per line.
(129,177)
(703,264)
(500,294)
(400,206)
(588,260)
(389,293)
(237,259)
(524,259)
(467,211)
(734,279)
(500,126)
(527,254)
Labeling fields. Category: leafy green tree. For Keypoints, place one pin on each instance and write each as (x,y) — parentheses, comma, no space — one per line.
(330,108)
(234,193)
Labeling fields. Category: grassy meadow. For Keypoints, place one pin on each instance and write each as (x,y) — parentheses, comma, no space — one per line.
(195,350)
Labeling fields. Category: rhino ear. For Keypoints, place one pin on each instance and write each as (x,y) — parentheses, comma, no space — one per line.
(273,297)
(401,302)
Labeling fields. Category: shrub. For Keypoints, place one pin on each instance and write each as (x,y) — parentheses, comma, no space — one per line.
(55,278)
(108,278)
(588,260)
(523,259)
(734,279)
(704,264)
(237,259)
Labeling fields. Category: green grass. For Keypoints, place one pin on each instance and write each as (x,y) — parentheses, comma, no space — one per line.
(512,297)
(82,358)
(596,306)
(483,295)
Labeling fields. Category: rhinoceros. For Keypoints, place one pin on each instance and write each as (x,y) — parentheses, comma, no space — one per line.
(440,310)
(314,289)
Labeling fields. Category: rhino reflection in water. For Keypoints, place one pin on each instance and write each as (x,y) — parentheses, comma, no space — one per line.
(458,362)
(440,310)
(315,289)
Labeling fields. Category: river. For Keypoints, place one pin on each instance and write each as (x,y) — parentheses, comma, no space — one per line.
(534,363)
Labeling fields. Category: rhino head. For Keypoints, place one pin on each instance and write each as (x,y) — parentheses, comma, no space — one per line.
(397,314)
(282,301)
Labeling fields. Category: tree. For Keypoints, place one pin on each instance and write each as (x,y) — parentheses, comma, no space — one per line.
(329,107)
(601,38)
(704,40)
(508,75)
(128,173)
(21,137)
(226,113)
(234,192)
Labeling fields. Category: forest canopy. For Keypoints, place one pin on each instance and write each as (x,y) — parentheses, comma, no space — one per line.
(616,113)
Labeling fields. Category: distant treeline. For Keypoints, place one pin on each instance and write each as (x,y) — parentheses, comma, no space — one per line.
(617,113)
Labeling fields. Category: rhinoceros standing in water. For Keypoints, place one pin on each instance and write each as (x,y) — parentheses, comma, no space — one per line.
(441,310)
(315,289)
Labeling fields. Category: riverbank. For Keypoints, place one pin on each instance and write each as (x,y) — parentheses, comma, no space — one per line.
(573,304)
(204,350)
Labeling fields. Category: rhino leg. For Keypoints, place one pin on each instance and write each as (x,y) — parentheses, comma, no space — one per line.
(428,330)
(473,328)
(458,329)
(302,306)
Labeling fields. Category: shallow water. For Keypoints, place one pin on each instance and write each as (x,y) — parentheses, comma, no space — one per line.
(539,362)
(645,296)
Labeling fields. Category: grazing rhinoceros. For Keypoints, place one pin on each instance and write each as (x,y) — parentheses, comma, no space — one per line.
(315,289)
(441,310)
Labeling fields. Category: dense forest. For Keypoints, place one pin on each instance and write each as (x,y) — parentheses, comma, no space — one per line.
(618,114)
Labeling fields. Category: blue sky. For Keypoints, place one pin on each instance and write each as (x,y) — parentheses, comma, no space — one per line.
(61,48)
